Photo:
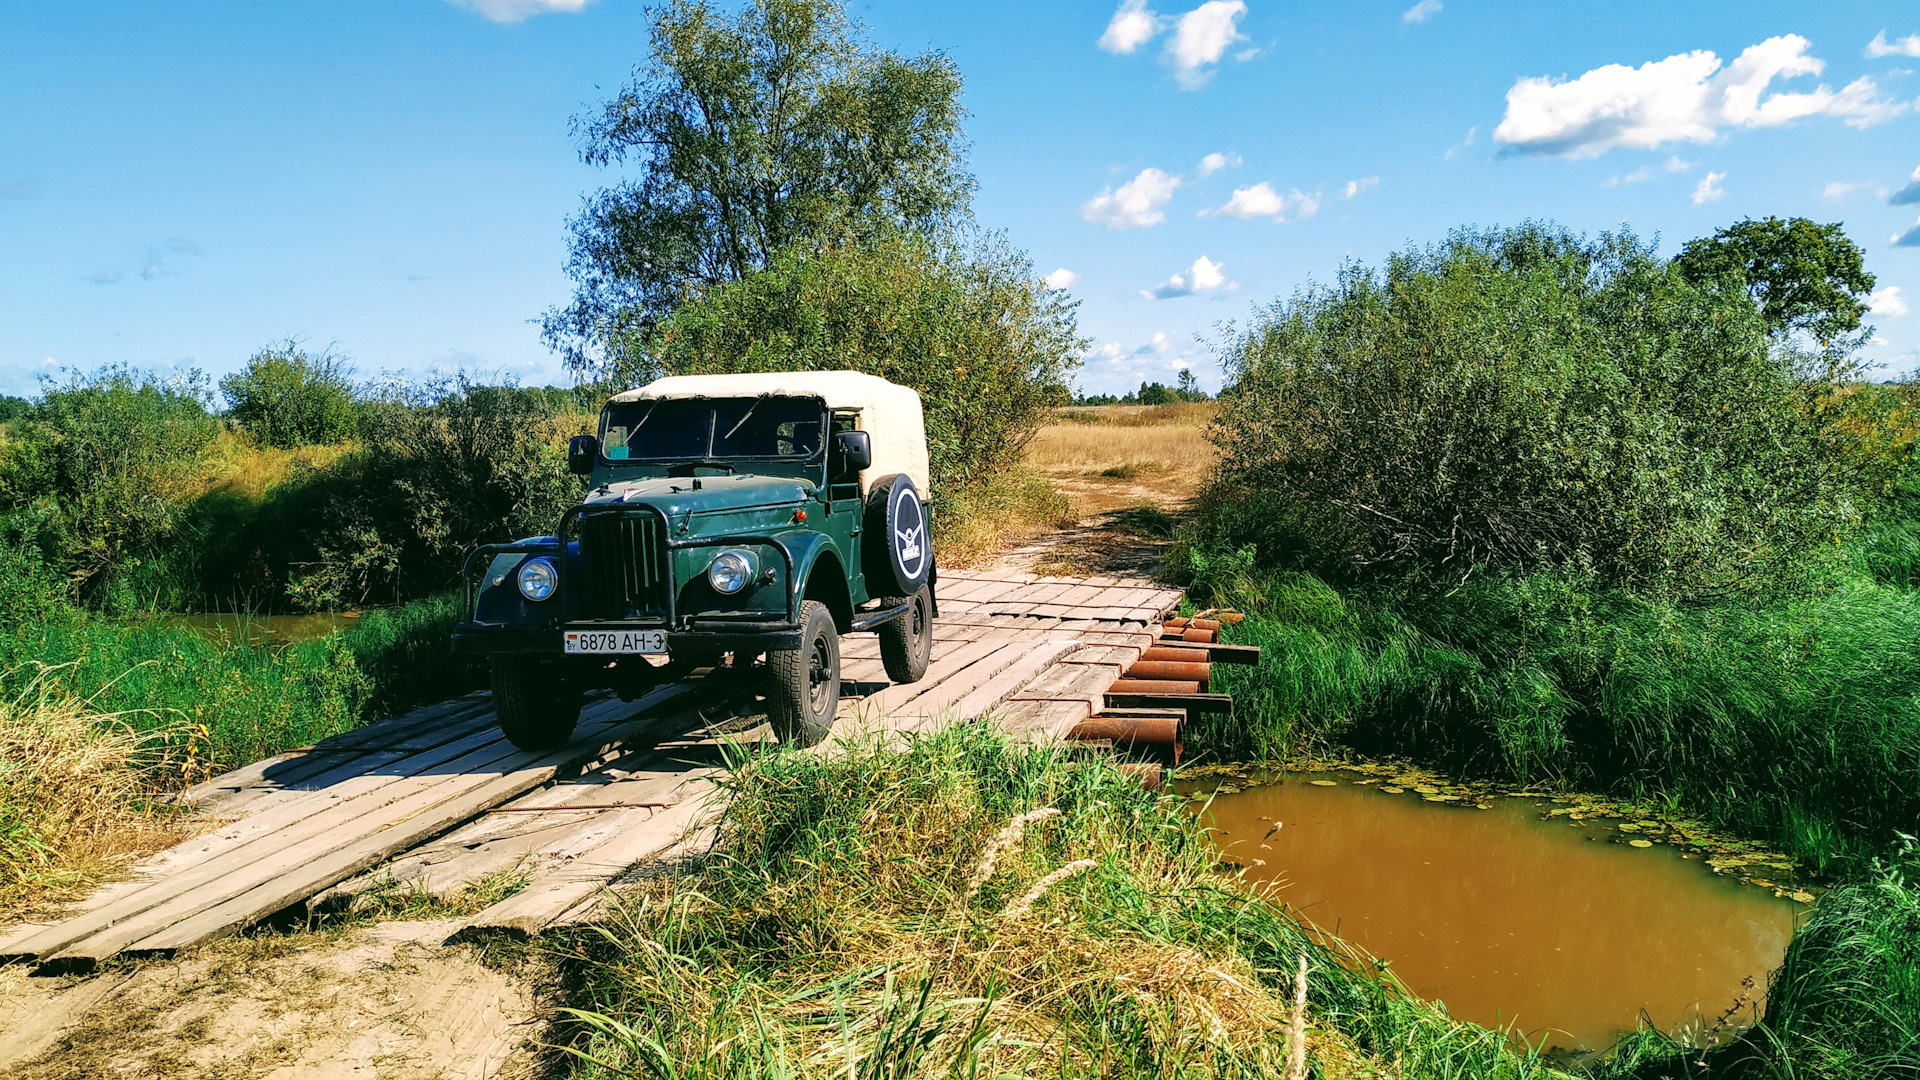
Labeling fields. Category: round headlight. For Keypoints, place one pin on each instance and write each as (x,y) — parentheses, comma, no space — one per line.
(538,579)
(730,572)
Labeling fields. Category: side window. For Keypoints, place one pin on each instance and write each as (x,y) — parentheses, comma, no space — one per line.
(844,487)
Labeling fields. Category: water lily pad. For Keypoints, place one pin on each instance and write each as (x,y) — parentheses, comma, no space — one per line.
(1440,797)
(1393,790)
(1323,783)
(1640,843)
(1425,789)
(1628,826)
(1802,895)
(1483,806)
(1649,825)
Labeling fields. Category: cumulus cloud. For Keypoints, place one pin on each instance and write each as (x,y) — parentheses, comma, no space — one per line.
(1708,189)
(1261,201)
(104,277)
(1674,164)
(1887,302)
(1355,187)
(1200,37)
(1687,97)
(1137,204)
(1421,12)
(1909,194)
(1910,238)
(1634,177)
(1213,163)
(1838,190)
(1132,26)
(1880,46)
(513,11)
(1060,279)
(1200,279)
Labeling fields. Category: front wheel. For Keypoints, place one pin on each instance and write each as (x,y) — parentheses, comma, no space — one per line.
(906,643)
(804,690)
(535,701)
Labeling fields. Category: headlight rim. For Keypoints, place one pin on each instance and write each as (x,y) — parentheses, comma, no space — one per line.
(531,566)
(746,571)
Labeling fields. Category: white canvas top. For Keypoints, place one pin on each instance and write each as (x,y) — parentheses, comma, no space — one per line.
(889,413)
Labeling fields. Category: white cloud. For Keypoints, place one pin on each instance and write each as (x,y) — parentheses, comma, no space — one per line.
(1909,194)
(1355,187)
(1213,163)
(1675,164)
(1061,279)
(1910,238)
(1688,97)
(104,277)
(512,11)
(1137,204)
(1261,201)
(1464,143)
(1132,26)
(1202,278)
(1200,37)
(1887,301)
(1157,345)
(1838,190)
(1708,189)
(1421,12)
(1880,46)
(1634,177)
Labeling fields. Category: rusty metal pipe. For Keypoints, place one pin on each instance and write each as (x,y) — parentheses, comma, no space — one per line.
(1191,634)
(1174,654)
(1160,669)
(1155,686)
(1129,730)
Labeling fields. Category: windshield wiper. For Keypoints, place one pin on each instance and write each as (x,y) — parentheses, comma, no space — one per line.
(743,416)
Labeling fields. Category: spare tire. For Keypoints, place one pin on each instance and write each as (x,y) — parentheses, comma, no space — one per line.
(898,548)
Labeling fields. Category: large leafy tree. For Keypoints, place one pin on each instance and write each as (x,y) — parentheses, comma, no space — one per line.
(1803,275)
(749,134)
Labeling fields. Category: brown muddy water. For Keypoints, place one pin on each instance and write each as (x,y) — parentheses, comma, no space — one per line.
(1548,928)
(263,630)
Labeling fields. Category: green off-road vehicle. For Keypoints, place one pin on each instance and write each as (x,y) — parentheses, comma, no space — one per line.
(728,518)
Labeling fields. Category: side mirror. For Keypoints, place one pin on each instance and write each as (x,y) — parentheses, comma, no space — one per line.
(852,452)
(582,450)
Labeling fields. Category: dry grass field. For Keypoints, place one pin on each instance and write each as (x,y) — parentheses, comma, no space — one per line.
(1115,457)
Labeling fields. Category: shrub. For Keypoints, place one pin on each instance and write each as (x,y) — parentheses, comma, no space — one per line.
(13,408)
(283,397)
(988,347)
(104,465)
(1522,398)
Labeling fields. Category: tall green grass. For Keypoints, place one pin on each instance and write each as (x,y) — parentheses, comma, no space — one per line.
(1794,718)
(832,931)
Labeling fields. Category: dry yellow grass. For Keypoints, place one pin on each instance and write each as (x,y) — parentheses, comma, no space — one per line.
(1114,456)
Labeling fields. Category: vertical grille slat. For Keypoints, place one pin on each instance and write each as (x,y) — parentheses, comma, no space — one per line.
(623,563)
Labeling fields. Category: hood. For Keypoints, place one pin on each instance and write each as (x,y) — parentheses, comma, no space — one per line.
(676,494)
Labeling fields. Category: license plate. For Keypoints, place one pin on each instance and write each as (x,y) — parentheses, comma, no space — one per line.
(616,641)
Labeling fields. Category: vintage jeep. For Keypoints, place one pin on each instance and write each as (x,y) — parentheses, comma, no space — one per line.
(727,518)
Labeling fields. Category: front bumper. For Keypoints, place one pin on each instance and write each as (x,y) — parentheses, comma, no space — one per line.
(481,640)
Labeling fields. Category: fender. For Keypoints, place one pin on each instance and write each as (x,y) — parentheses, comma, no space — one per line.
(809,547)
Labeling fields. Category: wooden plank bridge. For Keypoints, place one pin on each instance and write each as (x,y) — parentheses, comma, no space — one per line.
(438,799)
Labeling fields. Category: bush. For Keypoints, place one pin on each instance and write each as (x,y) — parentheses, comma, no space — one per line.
(13,408)
(988,347)
(285,398)
(101,471)
(1517,399)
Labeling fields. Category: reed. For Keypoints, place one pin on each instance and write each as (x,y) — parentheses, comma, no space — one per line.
(830,932)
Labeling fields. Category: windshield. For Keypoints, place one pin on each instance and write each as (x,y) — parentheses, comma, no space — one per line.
(700,429)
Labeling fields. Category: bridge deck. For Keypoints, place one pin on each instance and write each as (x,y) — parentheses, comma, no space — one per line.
(437,799)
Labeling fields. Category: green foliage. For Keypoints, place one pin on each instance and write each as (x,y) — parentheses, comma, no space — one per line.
(1804,276)
(752,133)
(986,345)
(101,471)
(1521,398)
(13,408)
(283,397)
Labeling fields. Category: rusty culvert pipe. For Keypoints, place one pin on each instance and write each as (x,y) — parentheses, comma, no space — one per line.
(1174,654)
(1197,635)
(1129,730)
(1161,669)
(1155,686)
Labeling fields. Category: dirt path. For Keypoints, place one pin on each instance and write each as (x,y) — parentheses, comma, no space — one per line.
(386,1001)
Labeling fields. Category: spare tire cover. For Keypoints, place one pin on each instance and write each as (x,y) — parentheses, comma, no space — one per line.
(898,549)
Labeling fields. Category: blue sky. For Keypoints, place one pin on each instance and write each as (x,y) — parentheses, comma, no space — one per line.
(181,184)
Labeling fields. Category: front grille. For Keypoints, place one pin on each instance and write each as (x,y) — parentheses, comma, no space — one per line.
(623,563)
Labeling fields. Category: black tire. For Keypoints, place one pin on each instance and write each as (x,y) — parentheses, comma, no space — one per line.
(536,702)
(803,689)
(906,643)
(896,542)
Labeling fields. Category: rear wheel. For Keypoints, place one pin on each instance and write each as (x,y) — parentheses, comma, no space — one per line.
(906,643)
(804,683)
(536,702)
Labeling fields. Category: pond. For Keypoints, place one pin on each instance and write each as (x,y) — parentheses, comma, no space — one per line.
(1551,928)
(263,630)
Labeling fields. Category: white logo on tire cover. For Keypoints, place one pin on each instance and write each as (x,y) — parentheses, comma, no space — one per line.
(909,543)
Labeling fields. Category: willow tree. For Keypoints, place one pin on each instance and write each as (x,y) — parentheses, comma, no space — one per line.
(748,134)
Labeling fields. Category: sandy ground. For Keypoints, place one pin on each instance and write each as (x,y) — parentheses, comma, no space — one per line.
(385,1001)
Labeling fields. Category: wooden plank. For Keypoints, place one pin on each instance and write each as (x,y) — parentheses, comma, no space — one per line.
(1209,703)
(1043,721)
(991,693)
(895,698)
(977,675)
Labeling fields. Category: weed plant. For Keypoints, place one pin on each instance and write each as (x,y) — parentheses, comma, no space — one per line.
(845,923)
